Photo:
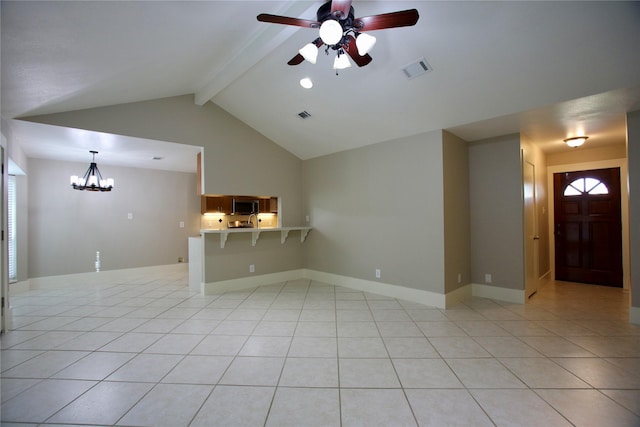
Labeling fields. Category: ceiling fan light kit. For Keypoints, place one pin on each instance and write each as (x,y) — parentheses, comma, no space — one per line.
(341,32)
(309,52)
(364,43)
(341,62)
(331,32)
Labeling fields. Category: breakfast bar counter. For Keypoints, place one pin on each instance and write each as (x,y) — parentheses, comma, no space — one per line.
(255,233)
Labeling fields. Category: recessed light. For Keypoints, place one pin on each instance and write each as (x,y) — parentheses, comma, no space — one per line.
(306,83)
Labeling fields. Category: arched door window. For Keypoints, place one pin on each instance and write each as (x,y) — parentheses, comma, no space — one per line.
(582,186)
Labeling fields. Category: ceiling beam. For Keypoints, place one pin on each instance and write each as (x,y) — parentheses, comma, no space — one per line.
(262,42)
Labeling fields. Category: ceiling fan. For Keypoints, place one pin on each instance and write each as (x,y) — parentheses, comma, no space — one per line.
(341,32)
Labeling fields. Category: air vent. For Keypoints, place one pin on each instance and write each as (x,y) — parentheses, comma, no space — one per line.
(304,115)
(416,69)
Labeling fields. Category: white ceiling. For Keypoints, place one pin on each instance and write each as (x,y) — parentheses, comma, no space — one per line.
(547,69)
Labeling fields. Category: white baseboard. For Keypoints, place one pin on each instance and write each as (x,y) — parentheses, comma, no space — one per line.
(456,296)
(103,277)
(17,287)
(428,298)
(8,319)
(516,296)
(634,315)
(250,282)
(407,294)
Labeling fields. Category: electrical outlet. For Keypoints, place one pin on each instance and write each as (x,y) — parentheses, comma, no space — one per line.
(459,278)
(252,268)
(487,278)
(378,273)
(181,224)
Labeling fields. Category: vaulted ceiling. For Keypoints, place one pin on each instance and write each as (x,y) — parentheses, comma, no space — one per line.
(547,69)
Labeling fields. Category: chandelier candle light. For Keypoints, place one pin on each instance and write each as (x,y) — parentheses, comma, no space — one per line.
(92,179)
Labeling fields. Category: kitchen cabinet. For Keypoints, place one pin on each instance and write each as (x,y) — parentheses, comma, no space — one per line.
(265,206)
(269,205)
(215,204)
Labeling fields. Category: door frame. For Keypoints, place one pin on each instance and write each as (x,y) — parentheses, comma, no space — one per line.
(5,318)
(624,208)
(531,240)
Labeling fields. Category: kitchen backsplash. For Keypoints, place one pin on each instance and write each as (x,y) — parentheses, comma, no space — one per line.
(215,221)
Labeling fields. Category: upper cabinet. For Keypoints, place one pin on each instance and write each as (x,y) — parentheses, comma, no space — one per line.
(215,204)
(269,205)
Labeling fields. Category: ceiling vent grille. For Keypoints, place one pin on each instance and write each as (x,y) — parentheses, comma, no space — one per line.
(416,69)
(304,115)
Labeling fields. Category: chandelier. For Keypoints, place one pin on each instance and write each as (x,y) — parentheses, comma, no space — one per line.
(92,179)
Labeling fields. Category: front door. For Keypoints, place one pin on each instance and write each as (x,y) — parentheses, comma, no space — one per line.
(588,227)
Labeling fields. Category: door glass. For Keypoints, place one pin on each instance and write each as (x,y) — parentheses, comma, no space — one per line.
(585,186)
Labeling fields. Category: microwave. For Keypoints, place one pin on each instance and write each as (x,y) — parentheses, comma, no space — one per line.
(245,206)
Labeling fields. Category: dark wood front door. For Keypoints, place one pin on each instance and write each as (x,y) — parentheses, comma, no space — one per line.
(588,227)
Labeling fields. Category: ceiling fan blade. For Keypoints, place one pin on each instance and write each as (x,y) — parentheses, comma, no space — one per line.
(296,60)
(276,19)
(352,50)
(340,9)
(404,18)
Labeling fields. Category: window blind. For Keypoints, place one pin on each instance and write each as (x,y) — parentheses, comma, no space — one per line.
(12,227)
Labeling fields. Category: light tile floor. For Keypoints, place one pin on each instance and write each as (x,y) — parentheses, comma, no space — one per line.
(150,352)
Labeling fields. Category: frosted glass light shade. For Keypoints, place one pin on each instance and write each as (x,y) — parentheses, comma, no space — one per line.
(364,43)
(330,32)
(309,52)
(341,62)
(576,141)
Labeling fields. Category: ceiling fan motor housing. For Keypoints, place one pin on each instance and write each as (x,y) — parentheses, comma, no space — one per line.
(324,13)
(342,38)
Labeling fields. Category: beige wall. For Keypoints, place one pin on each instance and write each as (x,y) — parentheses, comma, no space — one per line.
(398,206)
(237,159)
(496,212)
(268,256)
(585,154)
(379,207)
(633,146)
(67,227)
(534,155)
(457,255)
